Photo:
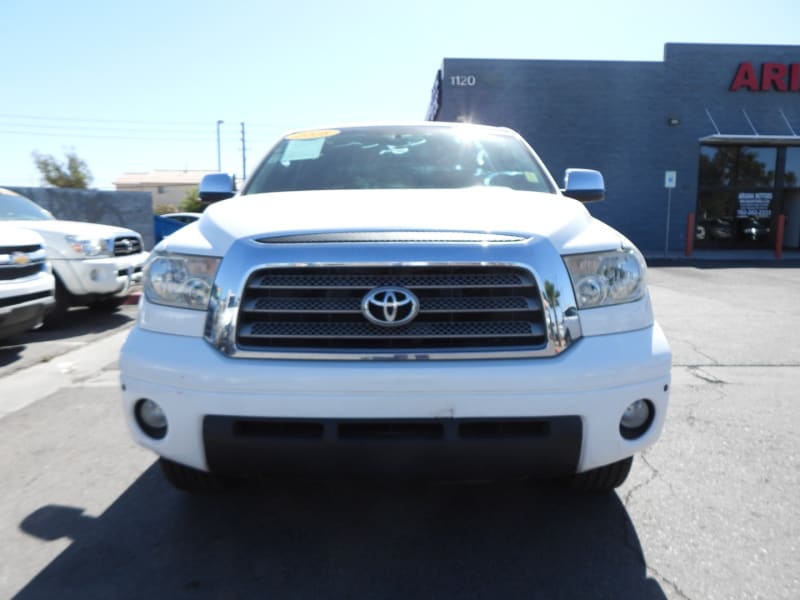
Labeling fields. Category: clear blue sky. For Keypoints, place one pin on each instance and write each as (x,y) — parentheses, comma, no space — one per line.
(137,86)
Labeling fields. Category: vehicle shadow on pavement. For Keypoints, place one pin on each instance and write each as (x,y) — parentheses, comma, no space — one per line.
(77,322)
(8,354)
(81,321)
(344,540)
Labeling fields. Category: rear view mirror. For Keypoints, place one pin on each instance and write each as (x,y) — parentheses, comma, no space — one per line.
(217,186)
(585,185)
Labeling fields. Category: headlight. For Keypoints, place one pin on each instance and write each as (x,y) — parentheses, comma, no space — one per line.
(606,278)
(180,280)
(91,246)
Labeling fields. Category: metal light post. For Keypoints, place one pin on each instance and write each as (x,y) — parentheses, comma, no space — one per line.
(219,154)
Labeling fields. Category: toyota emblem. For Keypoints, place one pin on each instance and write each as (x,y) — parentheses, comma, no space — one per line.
(390,306)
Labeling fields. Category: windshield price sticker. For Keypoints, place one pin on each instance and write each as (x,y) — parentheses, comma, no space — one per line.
(313,135)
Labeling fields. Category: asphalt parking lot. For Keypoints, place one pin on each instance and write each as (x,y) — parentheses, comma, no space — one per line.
(711,511)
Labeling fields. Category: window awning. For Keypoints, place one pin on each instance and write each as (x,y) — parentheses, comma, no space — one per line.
(751,140)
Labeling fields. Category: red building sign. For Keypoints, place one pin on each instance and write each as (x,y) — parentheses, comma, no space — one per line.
(777,77)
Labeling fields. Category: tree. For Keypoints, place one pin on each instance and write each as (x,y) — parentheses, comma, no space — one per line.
(72,174)
(191,201)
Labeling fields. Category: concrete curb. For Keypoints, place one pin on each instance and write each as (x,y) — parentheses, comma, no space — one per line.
(76,367)
(133,298)
(726,259)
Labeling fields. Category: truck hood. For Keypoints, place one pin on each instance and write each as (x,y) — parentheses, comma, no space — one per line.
(565,222)
(78,228)
(11,235)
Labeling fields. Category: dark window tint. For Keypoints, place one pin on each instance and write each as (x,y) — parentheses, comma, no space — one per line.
(717,164)
(739,166)
(755,167)
(792,176)
(19,208)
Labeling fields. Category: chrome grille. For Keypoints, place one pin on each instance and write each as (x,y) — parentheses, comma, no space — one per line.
(18,262)
(464,308)
(382,237)
(126,245)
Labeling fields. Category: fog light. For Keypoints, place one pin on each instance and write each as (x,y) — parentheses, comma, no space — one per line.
(151,418)
(636,419)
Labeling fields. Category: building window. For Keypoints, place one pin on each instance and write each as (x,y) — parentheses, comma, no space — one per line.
(717,164)
(738,166)
(791,177)
(755,167)
(737,199)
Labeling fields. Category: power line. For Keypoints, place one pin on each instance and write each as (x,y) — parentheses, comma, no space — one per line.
(130,130)
(230,139)
(91,128)
(280,127)
(107,137)
(96,120)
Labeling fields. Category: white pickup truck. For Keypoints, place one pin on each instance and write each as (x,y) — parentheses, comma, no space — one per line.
(26,281)
(94,265)
(414,300)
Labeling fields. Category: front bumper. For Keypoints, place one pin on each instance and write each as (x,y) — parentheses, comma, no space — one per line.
(24,303)
(199,389)
(101,276)
(24,316)
(477,448)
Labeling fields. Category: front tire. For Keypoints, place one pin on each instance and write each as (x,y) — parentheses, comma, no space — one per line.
(192,480)
(109,304)
(602,480)
(56,314)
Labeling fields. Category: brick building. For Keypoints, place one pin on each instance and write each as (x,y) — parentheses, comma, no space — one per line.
(720,123)
(167,187)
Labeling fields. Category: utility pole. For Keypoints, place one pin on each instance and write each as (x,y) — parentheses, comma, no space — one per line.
(244,167)
(219,153)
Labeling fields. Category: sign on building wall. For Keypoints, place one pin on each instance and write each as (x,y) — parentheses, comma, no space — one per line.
(779,77)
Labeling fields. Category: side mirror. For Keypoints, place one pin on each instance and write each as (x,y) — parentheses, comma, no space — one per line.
(585,185)
(217,186)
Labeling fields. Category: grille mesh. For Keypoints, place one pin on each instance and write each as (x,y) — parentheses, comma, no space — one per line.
(460,307)
(124,246)
(383,237)
(371,280)
(10,271)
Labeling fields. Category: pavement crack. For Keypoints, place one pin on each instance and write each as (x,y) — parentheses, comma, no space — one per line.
(654,474)
(694,348)
(666,581)
(698,372)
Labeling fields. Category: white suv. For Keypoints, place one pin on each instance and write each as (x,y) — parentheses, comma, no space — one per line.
(94,264)
(412,299)
(26,283)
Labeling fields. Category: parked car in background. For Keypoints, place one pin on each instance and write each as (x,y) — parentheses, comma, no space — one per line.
(94,265)
(27,286)
(164,225)
(183,217)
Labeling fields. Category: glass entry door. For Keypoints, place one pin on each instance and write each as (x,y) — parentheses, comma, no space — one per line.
(739,196)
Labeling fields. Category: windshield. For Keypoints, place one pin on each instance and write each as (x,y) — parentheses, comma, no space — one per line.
(413,157)
(19,208)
